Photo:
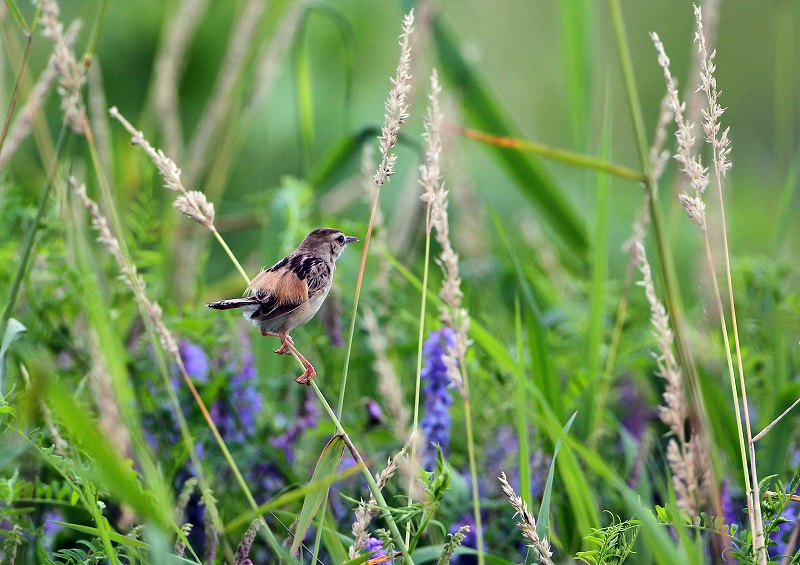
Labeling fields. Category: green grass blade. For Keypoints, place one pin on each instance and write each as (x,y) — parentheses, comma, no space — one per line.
(542,370)
(127,541)
(577,46)
(522,419)
(530,176)
(349,50)
(115,474)
(336,163)
(304,91)
(543,520)
(597,292)
(15,11)
(326,467)
(14,331)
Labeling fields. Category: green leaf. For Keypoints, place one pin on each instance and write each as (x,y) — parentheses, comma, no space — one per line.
(542,521)
(113,472)
(115,536)
(528,173)
(14,330)
(345,151)
(541,368)
(326,467)
(14,9)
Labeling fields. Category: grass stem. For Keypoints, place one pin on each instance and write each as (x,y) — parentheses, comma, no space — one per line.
(555,153)
(420,342)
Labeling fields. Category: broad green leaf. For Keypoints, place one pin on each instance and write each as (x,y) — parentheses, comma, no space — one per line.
(326,467)
(543,521)
(528,173)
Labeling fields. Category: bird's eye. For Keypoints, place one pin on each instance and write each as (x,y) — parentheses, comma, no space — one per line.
(340,239)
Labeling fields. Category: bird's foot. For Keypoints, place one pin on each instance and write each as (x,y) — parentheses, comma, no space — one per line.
(286,344)
(305,378)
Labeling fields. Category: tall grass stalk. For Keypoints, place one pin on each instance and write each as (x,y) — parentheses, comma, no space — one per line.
(720,149)
(452,313)
(397,108)
(420,340)
(671,294)
(695,208)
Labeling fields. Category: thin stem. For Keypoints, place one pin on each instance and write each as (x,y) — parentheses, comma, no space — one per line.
(420,340)
(731,374)
(20,74)
(772,424)
(473,469)
(758,538)
(555,153)
(357,295)
(230,254)
(373,486)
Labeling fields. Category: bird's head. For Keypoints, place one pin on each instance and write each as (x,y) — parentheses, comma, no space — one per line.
(327,243)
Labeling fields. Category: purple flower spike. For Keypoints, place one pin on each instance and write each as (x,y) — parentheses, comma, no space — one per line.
(305,418)
(195,360)
(436,422)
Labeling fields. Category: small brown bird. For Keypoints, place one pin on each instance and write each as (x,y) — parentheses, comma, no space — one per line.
(289,293)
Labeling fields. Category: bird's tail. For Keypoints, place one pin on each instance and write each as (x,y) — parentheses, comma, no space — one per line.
(233,303)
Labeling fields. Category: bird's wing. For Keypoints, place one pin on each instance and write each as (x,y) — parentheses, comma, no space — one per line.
(318,277)
(279,290)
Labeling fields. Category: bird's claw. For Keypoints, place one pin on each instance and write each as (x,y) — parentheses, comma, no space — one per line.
(305,378)
(285,345)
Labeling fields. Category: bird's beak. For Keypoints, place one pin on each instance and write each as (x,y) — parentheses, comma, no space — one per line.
(350,239)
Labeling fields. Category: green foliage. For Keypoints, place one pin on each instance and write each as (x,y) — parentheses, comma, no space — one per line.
(107,457)
(614,542)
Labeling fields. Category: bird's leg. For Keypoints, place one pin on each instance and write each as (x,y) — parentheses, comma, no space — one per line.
(310,373)
(282,350)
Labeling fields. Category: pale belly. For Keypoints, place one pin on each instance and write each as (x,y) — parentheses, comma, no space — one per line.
(289,321)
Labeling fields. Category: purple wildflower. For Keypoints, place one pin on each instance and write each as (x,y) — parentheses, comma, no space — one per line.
(235,413)
(374,547)
(374,412)
(50,529)
(306,418)
(436,422)
(195,360)
(470,539)
(245,400)
(729,506)
(637,412)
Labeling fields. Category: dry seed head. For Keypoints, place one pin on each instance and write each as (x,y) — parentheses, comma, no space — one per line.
(527,523)
(396,105)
